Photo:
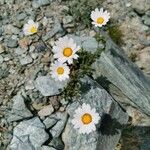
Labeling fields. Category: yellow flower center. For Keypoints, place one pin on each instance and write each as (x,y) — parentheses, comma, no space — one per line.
(33,29)
(67,51)
(86,118)
(100,20)
(60,70)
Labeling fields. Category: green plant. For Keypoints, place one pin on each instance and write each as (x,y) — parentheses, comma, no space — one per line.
(81,10)
(115,33)
(133,56)
(80,68)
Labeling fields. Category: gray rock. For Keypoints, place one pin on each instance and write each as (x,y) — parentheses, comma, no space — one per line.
(142,7)
(90,44)
(144,41)
(29,132)
(87,43)
(39,3)
(46,111)
(1,31)
(57,143)
(46,148)
(67,19)
(4,72)
(40,48)
(12,43)
(145,145)
(20,51)
(109,128)
(56,29)
(10,1)
(50,121)
(123,79)
(2,2)
(21,16)
(57,129)
(48,86)
(19,110)
(11,30)
(146,20)
(23,144)
(1,59)
(26,60)
(2,48)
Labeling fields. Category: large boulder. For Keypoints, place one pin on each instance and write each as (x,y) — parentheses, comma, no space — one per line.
(113,118)
(122,78)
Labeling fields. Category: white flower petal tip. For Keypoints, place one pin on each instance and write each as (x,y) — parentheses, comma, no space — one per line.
(85,119)
(65,50)
(59,71)
(30,28)
(100,17)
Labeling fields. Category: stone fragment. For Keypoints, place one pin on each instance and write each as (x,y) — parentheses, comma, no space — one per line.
(50,121)
(21,16)
(57,129)
(26,60)
(39,3)
(87,43)
(19,110)
(12,43)
(48,86)
(2,48)
(141,9)
(56,29)
(1,59)
(29,133)
(57,143)
(146,20)
(46,111)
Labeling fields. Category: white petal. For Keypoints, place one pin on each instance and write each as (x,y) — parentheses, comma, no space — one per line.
(70,61)
(30,21)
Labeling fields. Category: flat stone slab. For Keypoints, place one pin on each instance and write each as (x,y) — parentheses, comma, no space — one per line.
(122,78)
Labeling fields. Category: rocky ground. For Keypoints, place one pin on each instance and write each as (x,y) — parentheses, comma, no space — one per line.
(29,100)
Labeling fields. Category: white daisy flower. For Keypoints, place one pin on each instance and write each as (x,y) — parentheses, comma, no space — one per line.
(30,28)
(85,119)
(59,71)
(65,50)
(100,17)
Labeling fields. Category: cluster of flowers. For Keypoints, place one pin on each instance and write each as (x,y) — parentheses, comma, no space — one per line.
(64,52)
(65,49)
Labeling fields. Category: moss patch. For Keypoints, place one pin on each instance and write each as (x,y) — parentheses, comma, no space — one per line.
(115,33)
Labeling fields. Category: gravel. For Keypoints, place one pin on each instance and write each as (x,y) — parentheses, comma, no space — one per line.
(25,63)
